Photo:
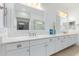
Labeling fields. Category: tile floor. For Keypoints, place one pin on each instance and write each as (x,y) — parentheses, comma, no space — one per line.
(71,51)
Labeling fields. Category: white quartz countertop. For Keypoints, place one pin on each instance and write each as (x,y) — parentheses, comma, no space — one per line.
(24,38)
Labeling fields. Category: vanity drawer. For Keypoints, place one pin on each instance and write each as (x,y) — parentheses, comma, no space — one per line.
(51,39)
(37,41)
(17,45)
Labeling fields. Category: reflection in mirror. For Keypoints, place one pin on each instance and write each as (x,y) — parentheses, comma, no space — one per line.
(22,23)
(38,25)
(72,25)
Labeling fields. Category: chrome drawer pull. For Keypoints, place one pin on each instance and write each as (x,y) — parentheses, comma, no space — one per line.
(18,46)
(27,50)
(51,40)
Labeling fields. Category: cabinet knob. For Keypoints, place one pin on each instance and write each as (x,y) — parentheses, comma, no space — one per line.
(50,40)
(62,41)
(27,50)
(19,45)
(63,37)
(46,45)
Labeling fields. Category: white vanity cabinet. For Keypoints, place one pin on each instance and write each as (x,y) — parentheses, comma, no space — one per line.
(51,46)
(65,41)
(73,39)
(38,50)
(17,49)
(58,44)
(69,40)
(19,52)
(38,47)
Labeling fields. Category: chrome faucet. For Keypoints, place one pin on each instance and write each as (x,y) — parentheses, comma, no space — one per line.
(32,34)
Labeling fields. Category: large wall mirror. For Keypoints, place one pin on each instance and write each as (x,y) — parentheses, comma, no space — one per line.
(29,18)
(61,21)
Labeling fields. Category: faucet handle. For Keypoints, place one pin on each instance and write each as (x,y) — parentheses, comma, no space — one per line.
(32,34)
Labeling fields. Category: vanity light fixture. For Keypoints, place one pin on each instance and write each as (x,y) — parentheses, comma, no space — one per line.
(35,5)
(62,14)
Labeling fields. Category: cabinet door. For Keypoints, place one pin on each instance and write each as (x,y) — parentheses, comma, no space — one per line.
(19,52)
(67,41)
(38,50)
(58,44)
(72,39)
(51,46)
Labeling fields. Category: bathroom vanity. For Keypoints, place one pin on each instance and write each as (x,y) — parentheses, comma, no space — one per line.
(20,20)
(42,45)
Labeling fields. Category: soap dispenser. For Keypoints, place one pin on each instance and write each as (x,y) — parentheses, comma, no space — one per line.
(51,31)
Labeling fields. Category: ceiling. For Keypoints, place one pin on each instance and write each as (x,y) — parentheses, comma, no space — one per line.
(66,5)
